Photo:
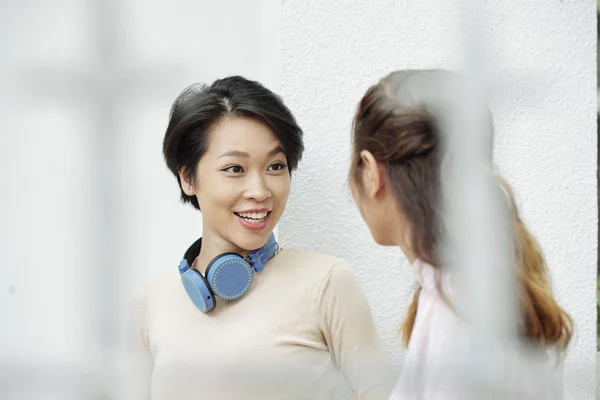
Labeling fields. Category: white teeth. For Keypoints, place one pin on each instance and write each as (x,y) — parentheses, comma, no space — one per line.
(254,217)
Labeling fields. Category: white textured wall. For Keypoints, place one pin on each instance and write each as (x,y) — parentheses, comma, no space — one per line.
(544,53)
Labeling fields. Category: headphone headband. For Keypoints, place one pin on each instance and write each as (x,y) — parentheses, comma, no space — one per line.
(228,276)
(258,258)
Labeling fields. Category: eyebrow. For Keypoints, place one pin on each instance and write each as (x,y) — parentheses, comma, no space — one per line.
(243,154)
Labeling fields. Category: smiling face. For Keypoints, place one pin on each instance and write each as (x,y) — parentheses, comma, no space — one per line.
(242,185)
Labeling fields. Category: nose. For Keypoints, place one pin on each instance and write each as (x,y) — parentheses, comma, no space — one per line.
(257,189)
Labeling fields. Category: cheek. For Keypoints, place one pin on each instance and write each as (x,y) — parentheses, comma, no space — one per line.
(217,196)
(280,188)
(372,216)
(356,196)
(362,209)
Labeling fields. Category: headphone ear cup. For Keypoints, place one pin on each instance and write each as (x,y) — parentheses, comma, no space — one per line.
(229,276)
(198,290)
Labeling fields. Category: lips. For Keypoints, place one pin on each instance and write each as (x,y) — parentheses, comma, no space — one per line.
(253,216)
(254,219)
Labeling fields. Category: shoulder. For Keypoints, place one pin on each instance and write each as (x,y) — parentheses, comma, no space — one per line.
(314,263)
(309,257)
(155,284)
(329,273)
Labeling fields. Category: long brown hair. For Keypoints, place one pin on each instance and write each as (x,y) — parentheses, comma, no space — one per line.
(395,124)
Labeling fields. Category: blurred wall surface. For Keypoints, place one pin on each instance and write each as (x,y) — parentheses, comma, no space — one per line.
(88,208)
(87,205)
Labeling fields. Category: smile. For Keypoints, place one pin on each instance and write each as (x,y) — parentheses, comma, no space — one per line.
(253,217)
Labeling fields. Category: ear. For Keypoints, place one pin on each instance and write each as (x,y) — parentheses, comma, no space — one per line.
(187,185)
(373,179)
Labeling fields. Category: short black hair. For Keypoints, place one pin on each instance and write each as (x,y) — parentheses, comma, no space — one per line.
(199,107)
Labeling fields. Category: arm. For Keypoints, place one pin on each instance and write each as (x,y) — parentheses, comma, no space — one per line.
(346,322)
(139,360)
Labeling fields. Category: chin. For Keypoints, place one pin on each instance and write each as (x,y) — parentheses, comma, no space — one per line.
(382,240)
(379,241)
(249,241)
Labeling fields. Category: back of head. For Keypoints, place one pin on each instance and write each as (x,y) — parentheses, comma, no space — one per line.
(405,121)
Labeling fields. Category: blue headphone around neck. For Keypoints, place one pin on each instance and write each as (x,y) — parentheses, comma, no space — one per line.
(228,276)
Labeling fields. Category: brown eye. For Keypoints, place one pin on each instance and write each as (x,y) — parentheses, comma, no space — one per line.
(234,169)
(277,167)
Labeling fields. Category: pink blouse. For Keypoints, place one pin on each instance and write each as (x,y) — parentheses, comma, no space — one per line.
(431,370)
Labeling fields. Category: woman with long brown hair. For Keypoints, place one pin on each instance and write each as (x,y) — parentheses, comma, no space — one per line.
(398,167)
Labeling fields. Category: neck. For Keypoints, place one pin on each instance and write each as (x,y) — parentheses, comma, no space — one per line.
(402,239)
(212,246)
(409,254)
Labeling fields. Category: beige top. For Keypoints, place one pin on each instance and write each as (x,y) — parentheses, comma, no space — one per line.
(303,316)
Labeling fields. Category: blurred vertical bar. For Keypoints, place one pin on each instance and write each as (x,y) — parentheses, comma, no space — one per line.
(478,229)
(47,159)
(269,13)
(105,284)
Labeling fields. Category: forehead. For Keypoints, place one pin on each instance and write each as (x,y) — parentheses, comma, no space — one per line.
(242,134)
